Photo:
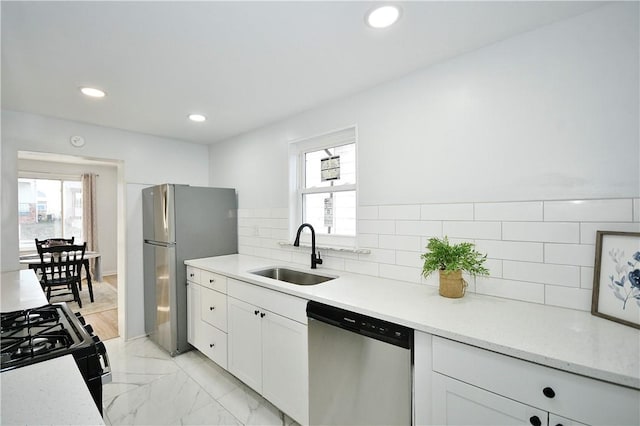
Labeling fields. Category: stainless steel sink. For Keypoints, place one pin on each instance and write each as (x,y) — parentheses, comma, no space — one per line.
(292,276)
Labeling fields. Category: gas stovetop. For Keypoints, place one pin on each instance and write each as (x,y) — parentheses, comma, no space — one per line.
(38,334)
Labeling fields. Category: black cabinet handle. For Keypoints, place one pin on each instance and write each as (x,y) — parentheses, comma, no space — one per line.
(262,315)
(548,392)
(211,345)
(535,421)
(211,308)
(211,281)
(256,312)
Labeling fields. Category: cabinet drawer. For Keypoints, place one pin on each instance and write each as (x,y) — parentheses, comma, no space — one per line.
(575,397)
(286,305)
(193,274)
(214,308)
(213,343)
(214,281)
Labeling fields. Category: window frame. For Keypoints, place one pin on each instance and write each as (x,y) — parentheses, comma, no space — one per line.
(62,178)
(298,149)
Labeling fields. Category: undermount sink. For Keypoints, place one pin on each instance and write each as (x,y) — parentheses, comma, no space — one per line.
(292,276)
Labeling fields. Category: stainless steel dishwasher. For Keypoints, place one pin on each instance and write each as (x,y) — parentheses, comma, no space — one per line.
(359,369)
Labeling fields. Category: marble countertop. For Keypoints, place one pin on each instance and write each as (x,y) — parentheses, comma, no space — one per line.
(561,338)
(47,393)
(20,290)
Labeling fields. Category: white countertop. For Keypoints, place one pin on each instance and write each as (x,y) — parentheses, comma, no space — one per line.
(566,339)
(20,290)
(47,393)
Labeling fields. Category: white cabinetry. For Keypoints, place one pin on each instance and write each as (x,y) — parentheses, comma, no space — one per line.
(268,345)
(469,385)
(207,314)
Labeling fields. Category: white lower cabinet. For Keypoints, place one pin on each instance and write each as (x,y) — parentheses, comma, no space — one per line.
(268,351)
(458,384)
(206,317)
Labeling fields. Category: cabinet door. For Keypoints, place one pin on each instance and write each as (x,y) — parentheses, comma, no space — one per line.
(245,342)
(214,308)
(193,313)
(555,420)
(457,403)
(285,374)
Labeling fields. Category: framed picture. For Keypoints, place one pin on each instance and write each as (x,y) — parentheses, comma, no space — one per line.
(616,277)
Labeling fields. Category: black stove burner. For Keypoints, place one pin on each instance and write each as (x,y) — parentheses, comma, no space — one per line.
(39,332)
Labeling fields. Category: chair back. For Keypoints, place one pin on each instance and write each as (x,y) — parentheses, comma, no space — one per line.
(57,241)
(61,264)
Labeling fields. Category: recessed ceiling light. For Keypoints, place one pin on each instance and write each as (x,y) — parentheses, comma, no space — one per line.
(197,117)
(383,17)
(93,92)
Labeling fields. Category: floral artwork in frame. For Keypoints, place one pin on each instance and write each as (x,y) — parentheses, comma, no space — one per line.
(616,277)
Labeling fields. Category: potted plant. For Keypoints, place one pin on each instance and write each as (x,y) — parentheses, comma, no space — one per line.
(450,260)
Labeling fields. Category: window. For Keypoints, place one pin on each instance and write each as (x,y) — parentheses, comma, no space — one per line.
(326,194)
(48,208)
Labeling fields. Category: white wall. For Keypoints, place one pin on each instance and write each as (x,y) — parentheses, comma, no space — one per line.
(552,114)
(106,190)
(143,159)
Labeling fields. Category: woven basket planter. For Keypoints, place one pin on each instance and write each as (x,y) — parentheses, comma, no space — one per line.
(452,284)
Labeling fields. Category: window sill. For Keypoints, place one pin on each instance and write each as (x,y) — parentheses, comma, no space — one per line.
(330,248)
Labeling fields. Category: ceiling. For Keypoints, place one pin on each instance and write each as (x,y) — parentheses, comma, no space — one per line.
(242,64)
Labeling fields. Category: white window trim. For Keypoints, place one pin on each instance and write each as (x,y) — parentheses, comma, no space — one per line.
(28,174)
(297,149)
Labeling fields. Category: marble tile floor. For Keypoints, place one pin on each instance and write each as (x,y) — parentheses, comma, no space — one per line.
(151,388)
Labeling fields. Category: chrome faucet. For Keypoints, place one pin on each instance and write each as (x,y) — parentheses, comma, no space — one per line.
(315,260)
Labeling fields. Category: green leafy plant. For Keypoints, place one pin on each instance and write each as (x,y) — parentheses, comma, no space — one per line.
(452,257)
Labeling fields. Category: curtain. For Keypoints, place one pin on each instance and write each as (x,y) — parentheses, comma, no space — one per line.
(90,214)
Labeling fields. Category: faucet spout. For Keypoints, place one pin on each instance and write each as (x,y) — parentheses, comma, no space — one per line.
(315,260)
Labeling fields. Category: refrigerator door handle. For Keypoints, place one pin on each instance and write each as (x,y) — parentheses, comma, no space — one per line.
(160,243)
(165,207)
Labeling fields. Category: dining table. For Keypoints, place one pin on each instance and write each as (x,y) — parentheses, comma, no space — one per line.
(33,261)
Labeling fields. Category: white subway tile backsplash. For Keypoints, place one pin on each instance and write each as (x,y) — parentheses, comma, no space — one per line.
(360,267)
(619,210)
(379,255)
(538,251)
(376,226)
(588,229)
(494,266)
(517,211)
(562,275)
(511,250)
(367,240)
(409,258)
(401,273)
(566,297)
(570,254)
(446,211)
(405,212)
(466,229)
(557,232)
(368,212)
(431,228)
(399,242)
(518,290)
(586,277)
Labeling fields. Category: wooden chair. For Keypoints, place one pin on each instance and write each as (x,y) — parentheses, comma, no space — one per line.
(61,266)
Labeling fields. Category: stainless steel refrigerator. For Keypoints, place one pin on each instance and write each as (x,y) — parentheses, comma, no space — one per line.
(180,222)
